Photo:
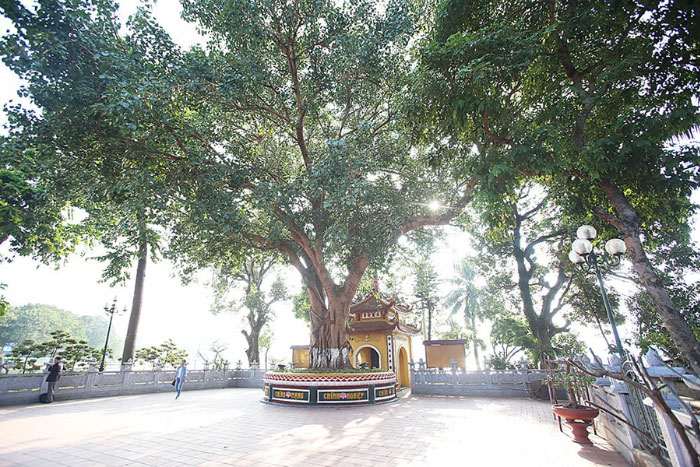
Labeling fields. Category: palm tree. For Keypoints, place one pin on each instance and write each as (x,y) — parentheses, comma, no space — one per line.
(466,296)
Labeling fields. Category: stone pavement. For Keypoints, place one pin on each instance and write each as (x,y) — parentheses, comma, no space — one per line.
(231,427)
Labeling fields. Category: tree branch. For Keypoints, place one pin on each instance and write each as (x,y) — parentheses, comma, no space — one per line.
(601,213)
(415,222)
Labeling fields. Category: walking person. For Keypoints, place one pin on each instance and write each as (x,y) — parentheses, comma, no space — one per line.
(55,371)
(180,373)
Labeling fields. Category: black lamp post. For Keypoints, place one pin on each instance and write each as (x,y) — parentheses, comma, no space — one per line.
(111,311)
(584,254)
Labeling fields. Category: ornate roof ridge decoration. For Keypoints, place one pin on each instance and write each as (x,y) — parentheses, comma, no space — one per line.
(379,306)
(383,300)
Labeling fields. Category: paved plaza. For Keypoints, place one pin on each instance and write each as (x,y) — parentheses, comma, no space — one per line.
(231,427)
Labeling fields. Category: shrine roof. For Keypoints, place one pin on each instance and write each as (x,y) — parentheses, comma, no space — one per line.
(408,329)
(446,342)
(377,301)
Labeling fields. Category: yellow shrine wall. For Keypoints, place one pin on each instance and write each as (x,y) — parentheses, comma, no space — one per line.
(359,342)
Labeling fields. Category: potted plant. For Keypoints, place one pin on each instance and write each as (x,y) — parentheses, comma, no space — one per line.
(577,414)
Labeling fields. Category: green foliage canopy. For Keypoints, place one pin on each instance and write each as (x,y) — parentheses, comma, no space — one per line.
(36,321)
(286,132)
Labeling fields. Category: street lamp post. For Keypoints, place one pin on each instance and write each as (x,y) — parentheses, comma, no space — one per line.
(111,311)
(585,255)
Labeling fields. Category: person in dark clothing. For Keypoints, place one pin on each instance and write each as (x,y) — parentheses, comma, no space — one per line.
(54,375)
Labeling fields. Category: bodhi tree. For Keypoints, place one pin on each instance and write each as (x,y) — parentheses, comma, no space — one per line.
(585,97)
(286,132)
(316,161)
(312,101)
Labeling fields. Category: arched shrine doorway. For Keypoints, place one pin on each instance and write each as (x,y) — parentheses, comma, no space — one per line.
(404,375)
(369,355)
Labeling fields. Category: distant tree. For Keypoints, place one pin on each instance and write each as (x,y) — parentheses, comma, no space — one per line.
(426,291)
(168,353)
(509,335)
(79,353)
(256,301)
(25,355)
(587,305)
(465,299)
(568,345)
(148,354)
(265,342)
(455,329)
(95,329)
(524,232)
(215,361)
(36,321)
(58,342)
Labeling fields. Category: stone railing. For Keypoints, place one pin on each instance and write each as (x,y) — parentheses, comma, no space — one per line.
(632,420)
(24,389)
(446,381)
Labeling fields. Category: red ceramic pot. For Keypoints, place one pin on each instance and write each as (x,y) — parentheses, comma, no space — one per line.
(578,419)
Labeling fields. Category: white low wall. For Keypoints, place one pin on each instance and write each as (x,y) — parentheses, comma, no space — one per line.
(24,389)
(475,383)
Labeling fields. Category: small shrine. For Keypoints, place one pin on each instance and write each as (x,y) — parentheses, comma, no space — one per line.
(300,356)
(440,353)
(379,335)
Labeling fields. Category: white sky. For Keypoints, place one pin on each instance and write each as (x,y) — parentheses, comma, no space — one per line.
(171,310)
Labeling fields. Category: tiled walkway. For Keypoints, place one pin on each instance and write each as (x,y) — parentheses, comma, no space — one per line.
(231,427)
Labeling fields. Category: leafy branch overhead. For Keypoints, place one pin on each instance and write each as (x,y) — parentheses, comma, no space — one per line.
(287,132)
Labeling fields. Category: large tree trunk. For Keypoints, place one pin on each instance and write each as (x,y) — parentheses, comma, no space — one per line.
(430,323)
(130,341)
(329,308)
(544,341)
(628,225)
(253,351)
(329,335)
(524,277)
(540,324)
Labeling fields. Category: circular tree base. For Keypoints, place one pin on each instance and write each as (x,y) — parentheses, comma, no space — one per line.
(329,389)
